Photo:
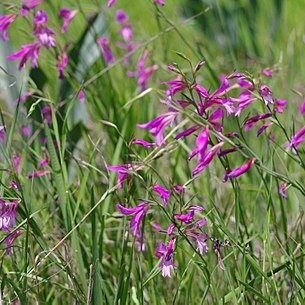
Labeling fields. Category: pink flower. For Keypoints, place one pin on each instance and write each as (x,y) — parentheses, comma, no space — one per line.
(16,162)
(164,194)
(282,190)
(38,173)
(23,97)
(170,229)
(280,105)
(63,61)
(187,132)
(28,5)
(111,3)
(157,126)
(121,17)
(160,2)
(26,131)
(47,114)
(2,134)
(138,213)
(166,253)
(9,240)
(67,15)
(240,170)
(263,128)
(106,51)
(202,142)
(267,73)
(8,213)
(252,121)
(123,171)
(186,218)
(5,21)
(44,162)
(28,51)
(142,143)
(143,73)
(297,139)
(266,94)
(206,160)
(82,97)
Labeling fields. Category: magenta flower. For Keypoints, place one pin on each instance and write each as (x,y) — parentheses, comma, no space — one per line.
(8,213)
(282,190)
(44,162)
(240,170)
(123,171)
(202,142)
(138,213)
(106,51)
(252,121)
(67,15)
(214,119)
(5,21)
(47,114)
(111,3)
(121,17)
(175,86)
(14,185)
(185,218)
(142,143)
(9,240)
(263,128)
(16,162)
(266,94)
(41,17)
(26,131)
(82,97)
(29,5)
(179,188)
(226,152)
(170,229)
(2,134)
(143,73)
(267,73)
(157,126)
(23,97)
(164,194)
(244,100)
(160,2)
(38,173)
(280,105)
(302,108)
(207,158)
(157,227)
(187,132)
(297,139)
(63,61)
(28,51)
(166,253)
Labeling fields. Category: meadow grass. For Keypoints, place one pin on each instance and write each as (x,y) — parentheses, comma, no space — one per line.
(75,247)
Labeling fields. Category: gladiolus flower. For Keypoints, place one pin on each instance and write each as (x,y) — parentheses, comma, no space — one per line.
(157,126)
(164,194)
(106,51)
(142,143)
(202,142)
(166,253)
(123,171)
(82,97)
(67,15)
(187,132)
(26,131)
(241,170)
(280,105)
(160,2)
(29,5)
(186,218)
(8,212)
(207,158)
(9,240)
(252,121)
(111,3)
(16,162)
(5,21)
(44,162)
(262,128)
(282,190)
(63,61)
(2,134)
(266,94)
(297,139)
(267,73)
(170,229)
(302,108)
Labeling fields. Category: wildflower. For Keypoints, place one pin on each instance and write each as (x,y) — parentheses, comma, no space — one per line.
(28,5)
(2,134)
(5,21)
(241,170)
(47,114)
(170,229)
(267,73)
(297,139)
(142,143)
(41,17)
(302,108)
(280,105)
(227,151)
(164,194)
(214,119)
(157,126)
(252,121)
(157,227)
(111,3)
(38,173)
(263,127)
(282,190)
(44,162)
(26,131)
(28,51)
(8,213)
(123,171)
(175,86)
(121,17)
(179,188)
(160,2)
(63,61)
(106,51)
(207,158)
(82,97)
(138,213)
(166,253)
(67,15)
(187,132)
(217,250)
(202,142)
(23,97)
(143,73)
(185,218)
(244,100)
(16,162)
(14,185)
(266,94)
(9,240)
